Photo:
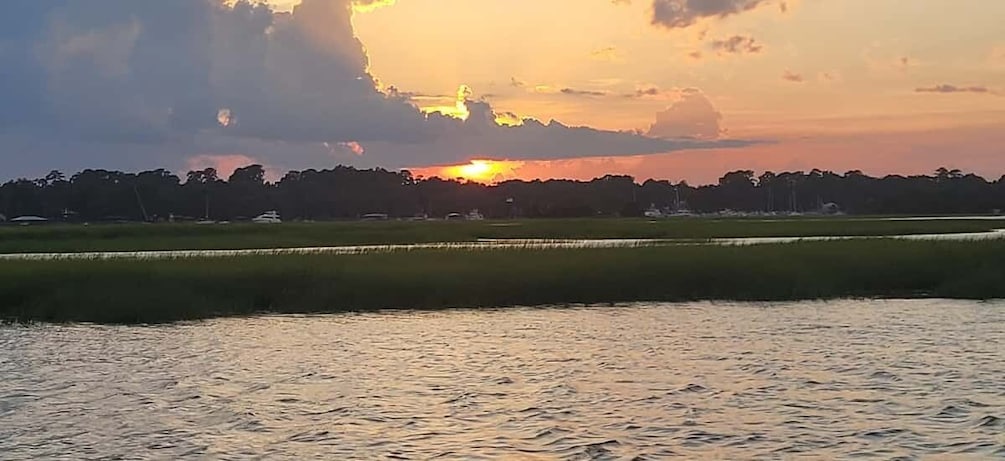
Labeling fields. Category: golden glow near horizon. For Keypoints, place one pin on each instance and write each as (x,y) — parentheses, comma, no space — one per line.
(483,171)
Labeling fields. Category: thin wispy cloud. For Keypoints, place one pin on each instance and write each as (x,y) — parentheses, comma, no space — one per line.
(607,53)
(575,92)
(793,77)
(737,44)
(946,88)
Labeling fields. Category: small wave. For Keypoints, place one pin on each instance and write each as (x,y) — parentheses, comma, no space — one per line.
(599,450)
(991,421)
(692,388)
(311,437)
(883,433)
(884,375)
(952,411)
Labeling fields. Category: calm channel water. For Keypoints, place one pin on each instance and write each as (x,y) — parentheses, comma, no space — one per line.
(850,379)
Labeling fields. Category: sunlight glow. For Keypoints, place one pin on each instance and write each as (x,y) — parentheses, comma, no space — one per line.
(286,6)
(370,5)
(508,119)
(483,171)
(460,108)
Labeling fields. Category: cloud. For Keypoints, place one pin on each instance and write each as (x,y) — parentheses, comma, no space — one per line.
(646,91)
(608,53)
(793,77)
(674,14)
(737,44)
(692,116)
(830,77)
(947,88)
(117,69)
(369,5)
(480,137)
(575,92)
(133,84)
(342,150)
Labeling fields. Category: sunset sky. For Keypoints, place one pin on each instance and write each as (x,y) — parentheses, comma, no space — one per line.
(669,89)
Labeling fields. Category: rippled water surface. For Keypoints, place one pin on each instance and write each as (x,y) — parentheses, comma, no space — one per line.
(850,379)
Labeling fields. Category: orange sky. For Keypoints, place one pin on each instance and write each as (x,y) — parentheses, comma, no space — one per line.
(877,154)
(831,84)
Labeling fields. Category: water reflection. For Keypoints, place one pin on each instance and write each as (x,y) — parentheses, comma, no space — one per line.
(880,379)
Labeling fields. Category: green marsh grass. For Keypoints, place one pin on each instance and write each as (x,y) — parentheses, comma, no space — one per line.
(152,291)
(135,237)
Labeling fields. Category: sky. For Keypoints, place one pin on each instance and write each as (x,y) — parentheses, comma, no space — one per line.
(490,90)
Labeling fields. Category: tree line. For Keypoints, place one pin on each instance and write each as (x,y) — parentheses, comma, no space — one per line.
(348,193)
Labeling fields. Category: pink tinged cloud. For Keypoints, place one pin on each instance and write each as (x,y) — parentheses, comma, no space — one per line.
(692,116)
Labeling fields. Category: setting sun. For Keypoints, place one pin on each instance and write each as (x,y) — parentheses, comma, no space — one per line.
(484,171)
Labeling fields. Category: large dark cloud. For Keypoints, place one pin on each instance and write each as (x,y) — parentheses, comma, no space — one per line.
(145,83)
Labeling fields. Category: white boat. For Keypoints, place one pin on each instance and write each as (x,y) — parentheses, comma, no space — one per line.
(269,217)
(653,213)
(29,220)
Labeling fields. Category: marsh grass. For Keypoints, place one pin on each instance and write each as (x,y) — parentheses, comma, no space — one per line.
(152,291)
(137,237)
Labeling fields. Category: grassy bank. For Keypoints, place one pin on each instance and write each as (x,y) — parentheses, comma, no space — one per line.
(134,237)
(130,291)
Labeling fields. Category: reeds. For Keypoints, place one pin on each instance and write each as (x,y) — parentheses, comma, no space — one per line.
(151,291)
(135,237)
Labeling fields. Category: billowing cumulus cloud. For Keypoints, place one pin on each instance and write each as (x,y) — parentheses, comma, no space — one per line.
(137,84)
(157,71)
(692,116)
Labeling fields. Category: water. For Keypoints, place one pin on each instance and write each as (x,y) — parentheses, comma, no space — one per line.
(491,244)
(849,379)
